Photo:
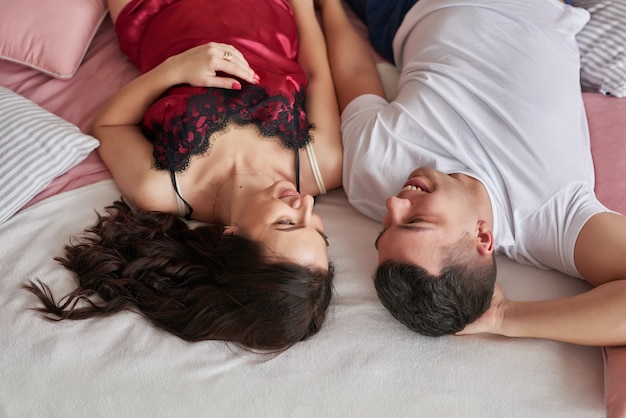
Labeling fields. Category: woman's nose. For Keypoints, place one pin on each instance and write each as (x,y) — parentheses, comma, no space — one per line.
(305,206)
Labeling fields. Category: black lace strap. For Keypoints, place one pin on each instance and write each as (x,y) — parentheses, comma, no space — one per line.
(298,170)
(187,205)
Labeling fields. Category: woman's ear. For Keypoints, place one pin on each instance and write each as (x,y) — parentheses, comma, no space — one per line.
(485,238)
(231,230)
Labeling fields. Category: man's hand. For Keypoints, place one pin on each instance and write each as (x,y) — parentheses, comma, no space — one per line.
(491,320)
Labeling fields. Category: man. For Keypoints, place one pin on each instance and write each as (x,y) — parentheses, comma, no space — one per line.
(490,118)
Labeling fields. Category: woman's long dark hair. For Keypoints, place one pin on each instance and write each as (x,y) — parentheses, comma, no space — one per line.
(196,283)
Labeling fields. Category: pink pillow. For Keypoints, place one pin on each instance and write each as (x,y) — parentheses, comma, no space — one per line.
(607,127)
(51,36)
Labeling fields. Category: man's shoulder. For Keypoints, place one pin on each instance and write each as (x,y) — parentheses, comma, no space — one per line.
(361,121)
(545,234)
(369,103)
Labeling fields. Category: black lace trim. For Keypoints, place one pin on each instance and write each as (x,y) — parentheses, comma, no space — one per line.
(210,111)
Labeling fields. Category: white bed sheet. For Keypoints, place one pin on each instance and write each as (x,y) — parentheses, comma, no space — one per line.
(361,364)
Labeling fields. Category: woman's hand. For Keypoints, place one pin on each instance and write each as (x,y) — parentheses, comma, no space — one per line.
(491,320)
(199,67)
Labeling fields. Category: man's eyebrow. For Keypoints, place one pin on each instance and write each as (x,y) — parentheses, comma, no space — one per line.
(378,237)
(294,228)
(406,227)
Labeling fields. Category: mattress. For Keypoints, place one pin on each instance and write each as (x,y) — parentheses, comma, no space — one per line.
(362,363)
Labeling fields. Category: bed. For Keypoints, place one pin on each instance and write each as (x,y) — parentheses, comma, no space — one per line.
(362,363)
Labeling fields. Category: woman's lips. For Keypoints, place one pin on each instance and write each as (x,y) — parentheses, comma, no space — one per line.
(288,192)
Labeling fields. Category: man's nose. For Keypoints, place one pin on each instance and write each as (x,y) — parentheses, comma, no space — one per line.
(397,207)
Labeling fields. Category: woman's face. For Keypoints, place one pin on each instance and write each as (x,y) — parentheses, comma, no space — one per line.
(283,220)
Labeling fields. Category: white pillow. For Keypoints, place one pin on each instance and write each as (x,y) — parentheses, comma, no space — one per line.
(51,36)
(36,146)
(602,44)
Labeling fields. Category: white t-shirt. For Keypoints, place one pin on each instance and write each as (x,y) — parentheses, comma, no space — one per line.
(488,88)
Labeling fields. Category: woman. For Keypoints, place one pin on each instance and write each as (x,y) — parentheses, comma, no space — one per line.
(215,130)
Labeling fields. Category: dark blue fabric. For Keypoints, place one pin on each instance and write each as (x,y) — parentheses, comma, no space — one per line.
(383,18)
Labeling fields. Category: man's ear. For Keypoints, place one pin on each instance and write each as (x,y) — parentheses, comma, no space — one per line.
(231,230)
(484,237)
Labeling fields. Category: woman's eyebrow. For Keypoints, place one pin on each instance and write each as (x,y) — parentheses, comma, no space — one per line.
(293,228)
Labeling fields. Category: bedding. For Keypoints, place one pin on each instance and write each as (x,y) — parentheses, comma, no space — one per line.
(362,362)
(37,147)
(602,42)
(49,36)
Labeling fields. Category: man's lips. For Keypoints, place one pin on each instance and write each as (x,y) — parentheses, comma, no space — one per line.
(415,184)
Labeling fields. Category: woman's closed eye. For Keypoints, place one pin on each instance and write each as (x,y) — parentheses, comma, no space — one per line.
(293,226)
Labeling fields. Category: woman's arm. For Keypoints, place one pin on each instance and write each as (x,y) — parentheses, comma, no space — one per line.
(320,97)
(351,61)
(123,147)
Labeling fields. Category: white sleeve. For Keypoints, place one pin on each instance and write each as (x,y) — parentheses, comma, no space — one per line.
(368,144)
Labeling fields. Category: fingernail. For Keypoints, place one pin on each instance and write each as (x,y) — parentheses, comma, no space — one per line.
(236,86)
(256,79)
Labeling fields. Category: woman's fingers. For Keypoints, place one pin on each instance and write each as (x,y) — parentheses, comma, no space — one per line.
(214,65)
(229,49)
(227,59)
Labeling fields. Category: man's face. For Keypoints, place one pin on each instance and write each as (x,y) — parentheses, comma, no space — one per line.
(430,213)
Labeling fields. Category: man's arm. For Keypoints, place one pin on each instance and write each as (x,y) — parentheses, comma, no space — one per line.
(351,61)
(596,317)
(600,252)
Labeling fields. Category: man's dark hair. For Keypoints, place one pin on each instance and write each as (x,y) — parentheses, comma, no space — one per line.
(436,305)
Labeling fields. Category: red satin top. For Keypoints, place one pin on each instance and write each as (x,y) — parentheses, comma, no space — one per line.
(181,122)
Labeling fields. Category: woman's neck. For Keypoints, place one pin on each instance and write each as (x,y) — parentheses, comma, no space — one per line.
(231,195)
(240,163)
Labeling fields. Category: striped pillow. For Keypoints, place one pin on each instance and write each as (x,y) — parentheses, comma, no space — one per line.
(602,42)
(36,146)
